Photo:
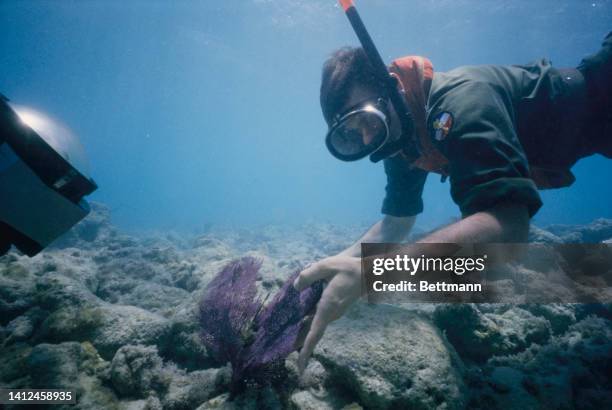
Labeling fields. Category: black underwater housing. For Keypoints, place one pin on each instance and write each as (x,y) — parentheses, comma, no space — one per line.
(42,179)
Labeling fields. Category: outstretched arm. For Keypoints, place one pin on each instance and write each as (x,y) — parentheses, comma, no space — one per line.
(502,223)
(389,229)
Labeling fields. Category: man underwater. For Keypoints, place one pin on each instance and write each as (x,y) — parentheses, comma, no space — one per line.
(499,133)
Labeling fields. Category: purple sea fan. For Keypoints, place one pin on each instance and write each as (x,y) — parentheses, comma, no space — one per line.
(237,328)
(280,323)
(229,308)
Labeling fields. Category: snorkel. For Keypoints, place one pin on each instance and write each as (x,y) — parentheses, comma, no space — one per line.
(389,82)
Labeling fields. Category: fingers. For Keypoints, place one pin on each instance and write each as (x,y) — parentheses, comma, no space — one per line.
(330,308)
(311,274)
(304,329)
(324,269)
(341,291)
(317,328)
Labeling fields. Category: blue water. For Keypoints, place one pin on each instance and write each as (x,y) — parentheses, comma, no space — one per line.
(199,113)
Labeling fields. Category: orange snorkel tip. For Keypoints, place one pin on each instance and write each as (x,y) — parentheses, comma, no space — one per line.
(346,4)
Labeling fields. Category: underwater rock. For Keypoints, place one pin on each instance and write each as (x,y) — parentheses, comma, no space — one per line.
(79,315)
(254,399)
(209,256)
(478,336)
(163,255)
(20,328)
(316,390)
(510,388)
(164,273)
(108,291)
(74,310)
(211,246)
(187,391)
(128,269)
(221,402)
(291,248)
(94,393)
(473,335)
(14,365)
(55,366)
(537,259)
(597,231)
(185,276)
(55,291)
(123,325)
(314,376)
(539,235)
(137,371)
(237,328)
(70,323)
(603,310)
(17,288)
(560,316)
(572,371)
(152,297)
(520,328)
(316,400)
(73,366)
(391,358)
(74,263)
(150,403)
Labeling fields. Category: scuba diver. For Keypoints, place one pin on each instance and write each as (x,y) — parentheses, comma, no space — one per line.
(43,179)
(499,133)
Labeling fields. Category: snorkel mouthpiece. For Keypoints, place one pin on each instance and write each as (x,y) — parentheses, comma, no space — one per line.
(390,86)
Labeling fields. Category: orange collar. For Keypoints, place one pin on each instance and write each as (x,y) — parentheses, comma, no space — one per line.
(414,75)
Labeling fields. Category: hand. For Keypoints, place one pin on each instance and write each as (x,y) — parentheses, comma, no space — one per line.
(343,274)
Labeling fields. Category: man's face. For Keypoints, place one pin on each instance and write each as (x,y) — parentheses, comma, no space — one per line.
(359,95)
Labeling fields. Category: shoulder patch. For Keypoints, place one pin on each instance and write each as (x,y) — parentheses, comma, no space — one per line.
(442,125)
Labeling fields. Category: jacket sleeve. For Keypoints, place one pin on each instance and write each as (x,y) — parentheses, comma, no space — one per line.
(488,165)
(404,188)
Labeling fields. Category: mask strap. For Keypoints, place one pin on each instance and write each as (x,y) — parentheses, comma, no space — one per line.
(402,89)
(425,154)
(406,144)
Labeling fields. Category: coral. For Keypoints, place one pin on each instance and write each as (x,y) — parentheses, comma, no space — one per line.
(228,310)
(237,328)
(597,231)
(138,370)
(387,357)
(13,365)
(133,303)
(281,322)
(478,336)
(74,366)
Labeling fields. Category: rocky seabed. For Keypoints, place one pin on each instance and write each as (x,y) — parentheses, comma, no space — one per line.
(114,317)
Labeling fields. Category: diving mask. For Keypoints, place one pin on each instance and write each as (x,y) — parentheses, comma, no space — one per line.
(365,131)
(362,130)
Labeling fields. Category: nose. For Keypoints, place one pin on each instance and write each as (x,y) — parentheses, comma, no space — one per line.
(367,136)
(367,131)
